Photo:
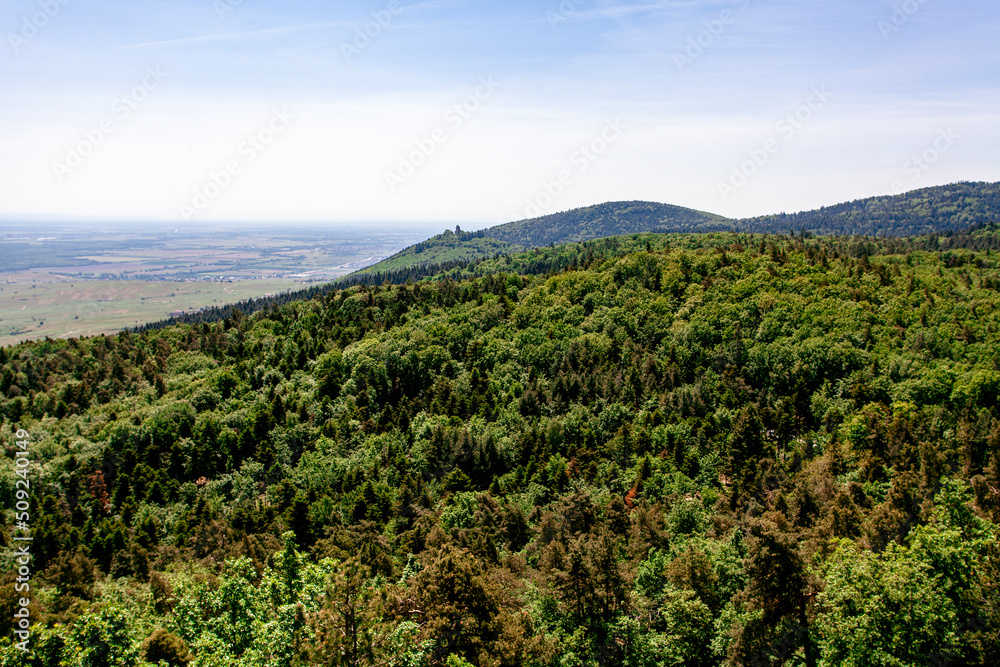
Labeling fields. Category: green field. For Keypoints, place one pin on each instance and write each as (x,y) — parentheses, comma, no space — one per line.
(61,279)
(88,308)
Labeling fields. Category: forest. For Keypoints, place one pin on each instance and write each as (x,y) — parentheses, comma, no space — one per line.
(951,208)
(653,449)
(946,209)
(607,219)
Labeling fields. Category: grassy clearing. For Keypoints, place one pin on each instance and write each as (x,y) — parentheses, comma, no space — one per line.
(88,308)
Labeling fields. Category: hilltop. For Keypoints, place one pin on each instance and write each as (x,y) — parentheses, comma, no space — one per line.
(609,219)
(947,208)
(450,249)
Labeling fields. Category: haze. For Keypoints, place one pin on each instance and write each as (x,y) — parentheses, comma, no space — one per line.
(450,110)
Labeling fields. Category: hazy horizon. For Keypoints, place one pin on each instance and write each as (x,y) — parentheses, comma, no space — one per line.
(471,113)
(333,226)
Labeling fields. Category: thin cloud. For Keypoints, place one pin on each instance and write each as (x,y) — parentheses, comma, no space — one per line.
(232,36)
(620,11)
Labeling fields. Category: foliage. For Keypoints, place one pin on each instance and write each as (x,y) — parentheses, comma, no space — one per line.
(645,450)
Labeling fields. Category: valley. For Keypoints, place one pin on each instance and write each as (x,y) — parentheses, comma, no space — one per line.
(62,280)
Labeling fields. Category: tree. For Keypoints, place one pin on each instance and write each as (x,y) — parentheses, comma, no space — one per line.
(348,627)
(778,585)
(458,603)
(746,449)
(930,600)
(166,647)
(105,639)
(883,610)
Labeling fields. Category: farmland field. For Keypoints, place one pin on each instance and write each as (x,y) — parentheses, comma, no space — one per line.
(60,280)
(91,307)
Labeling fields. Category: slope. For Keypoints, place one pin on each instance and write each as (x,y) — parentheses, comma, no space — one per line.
(608,219)
(450,249)
(441,252)
(948,208)
(701,448)
(945,208)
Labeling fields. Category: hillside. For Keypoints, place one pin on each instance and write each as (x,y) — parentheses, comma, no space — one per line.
(946,208)
(610,219)
(545,260)
(444,251)
(949,208)
(449,250)
(713,449)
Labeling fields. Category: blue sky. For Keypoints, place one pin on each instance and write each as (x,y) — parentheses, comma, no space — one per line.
(484,112)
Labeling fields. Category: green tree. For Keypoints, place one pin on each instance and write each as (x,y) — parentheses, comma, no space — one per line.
(348,627)
(914,602)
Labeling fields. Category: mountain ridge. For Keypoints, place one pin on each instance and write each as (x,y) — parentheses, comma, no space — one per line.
(952,207)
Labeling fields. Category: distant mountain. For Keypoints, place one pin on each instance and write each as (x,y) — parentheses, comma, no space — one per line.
(609,219)
(945,208)
(450,249)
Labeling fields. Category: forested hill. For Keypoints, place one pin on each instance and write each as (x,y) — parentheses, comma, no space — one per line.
(545,260)
(444,251)
(609,219)
(941,210)
(946,208)
(451,249)
(713,449)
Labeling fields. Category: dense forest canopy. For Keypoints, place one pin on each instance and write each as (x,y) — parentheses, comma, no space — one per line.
(655,449)
(539,261)
(609,219)
(944,209)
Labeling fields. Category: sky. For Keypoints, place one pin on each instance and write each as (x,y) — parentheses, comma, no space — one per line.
(475,112)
